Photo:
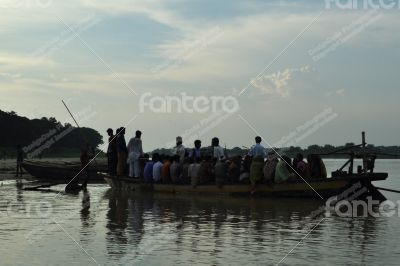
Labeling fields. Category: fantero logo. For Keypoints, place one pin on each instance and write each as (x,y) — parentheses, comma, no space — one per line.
(362,4)
(184,103)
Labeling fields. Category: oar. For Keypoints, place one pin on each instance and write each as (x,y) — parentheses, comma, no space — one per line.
(73,118)
(387,189)
(41,186)
(84,137)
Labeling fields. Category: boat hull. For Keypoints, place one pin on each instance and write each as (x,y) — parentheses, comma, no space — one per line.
(62,171)
(315,188)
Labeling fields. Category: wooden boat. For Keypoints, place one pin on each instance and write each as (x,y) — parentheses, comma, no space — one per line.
(345,184)
(62,170)
(313,188)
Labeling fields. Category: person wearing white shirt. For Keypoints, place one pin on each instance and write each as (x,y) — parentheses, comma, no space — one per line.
(135,150)
(258,149)
(217,151)
(179,149)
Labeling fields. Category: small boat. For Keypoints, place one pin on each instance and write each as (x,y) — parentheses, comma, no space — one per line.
(64,171)
(312,188)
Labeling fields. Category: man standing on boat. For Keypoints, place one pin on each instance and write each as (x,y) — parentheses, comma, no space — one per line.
(112,152)
(179,149)
(134,152)
(122,151)
(217,151)
(258,149)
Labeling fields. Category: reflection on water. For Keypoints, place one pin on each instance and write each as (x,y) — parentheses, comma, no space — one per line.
(124,229)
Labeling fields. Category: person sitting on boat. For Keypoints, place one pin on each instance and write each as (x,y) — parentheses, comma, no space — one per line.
(206,170)
(256,170)
(135,150)
(324,173)
(282,172)
(175,169)
(143,160)
(195,152)
(220,172)
(165,169)
(112,152)
(148,171)
(157,167)
(185,178)
(179,149)
(122,151)
(301,166)
(316,166)
(258,149)
(217,151)
(234,169)
(270,166)
(194,171)
(245,170)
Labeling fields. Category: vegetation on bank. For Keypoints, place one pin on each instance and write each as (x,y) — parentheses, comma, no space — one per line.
(381,151)
(44,137)
(48,138)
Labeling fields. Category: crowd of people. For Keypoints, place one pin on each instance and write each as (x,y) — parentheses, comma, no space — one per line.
(199,165)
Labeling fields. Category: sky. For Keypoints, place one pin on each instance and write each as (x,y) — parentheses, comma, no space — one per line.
(297,72)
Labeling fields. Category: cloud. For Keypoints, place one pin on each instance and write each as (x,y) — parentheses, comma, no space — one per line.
(16,62)
(279,83)
(153,9)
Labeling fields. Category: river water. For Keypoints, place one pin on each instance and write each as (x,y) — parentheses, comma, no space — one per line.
(102,227)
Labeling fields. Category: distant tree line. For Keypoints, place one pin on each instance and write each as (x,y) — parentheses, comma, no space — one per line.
(326,151)
(36,134)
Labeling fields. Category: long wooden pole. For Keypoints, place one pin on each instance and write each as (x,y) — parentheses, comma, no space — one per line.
(70,113)
(83,136)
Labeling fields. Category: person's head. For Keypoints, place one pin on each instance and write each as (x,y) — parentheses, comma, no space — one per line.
(110,132)
(308,158)
(299,157)
(118,131)
(271,155)
(237,159)
(197,143)
(258,139)
(167,158)
(215,142)
(155,157)
(138,134)
(146,156)
(287,159)
(122,131)
(179,140)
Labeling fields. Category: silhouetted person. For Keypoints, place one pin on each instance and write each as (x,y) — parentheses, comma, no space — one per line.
(20,160)
(122,151)
(85,160)
(112,152)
